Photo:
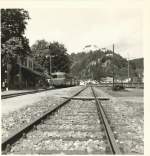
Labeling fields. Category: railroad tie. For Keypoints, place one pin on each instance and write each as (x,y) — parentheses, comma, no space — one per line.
(86,98)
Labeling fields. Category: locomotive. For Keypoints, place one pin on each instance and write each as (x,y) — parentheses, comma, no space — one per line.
(62,79)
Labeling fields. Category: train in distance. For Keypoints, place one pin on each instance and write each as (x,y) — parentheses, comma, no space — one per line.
(62,79)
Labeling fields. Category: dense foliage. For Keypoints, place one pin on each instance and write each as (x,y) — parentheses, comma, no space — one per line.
(99,64)
(42,50)
(13,41)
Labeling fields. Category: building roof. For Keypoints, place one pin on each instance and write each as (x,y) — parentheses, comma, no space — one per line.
(35,72)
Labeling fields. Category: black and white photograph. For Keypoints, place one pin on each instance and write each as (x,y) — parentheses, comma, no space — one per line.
(72,80)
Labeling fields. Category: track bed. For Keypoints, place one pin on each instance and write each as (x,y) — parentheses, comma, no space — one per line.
(74,128)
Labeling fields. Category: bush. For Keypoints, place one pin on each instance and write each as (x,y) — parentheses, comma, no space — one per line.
(118,87)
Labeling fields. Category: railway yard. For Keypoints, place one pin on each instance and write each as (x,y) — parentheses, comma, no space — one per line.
(76,127)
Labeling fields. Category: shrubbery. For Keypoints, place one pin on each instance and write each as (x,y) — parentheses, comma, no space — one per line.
(118,87)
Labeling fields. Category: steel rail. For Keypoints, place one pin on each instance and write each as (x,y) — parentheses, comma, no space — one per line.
(23,93)
(114,147)
(16,136)
(6,96)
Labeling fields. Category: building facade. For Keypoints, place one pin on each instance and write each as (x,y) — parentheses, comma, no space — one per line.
(21,75)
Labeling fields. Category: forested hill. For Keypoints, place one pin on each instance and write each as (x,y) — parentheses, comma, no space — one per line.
(138,63)
(98,64)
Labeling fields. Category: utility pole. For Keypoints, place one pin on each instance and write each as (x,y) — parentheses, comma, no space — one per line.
(50,62)
(50,65)
(113,64)
(128,68)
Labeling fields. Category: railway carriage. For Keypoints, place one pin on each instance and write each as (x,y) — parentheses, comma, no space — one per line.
(61,79)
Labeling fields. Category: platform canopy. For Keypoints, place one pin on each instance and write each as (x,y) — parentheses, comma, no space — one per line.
(34,73)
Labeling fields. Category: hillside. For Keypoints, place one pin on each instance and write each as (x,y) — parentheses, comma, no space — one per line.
(137,67)
(99,64)
(138,63)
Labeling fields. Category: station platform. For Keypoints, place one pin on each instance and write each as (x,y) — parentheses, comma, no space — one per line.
(18,91)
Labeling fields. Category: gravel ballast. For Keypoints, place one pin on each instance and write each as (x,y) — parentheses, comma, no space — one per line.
(14,120)
(74,128)
(124,110)
(126,115)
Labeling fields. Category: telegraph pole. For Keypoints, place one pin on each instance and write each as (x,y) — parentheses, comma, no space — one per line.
(50,62)
(113,64)
(128,68)
(50,65)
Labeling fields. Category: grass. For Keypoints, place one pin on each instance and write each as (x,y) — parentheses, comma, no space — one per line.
(128,92)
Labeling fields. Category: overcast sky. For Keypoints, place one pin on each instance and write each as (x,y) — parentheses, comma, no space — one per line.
(78,27)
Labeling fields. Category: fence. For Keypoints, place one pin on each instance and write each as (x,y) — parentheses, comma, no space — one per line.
(126,85)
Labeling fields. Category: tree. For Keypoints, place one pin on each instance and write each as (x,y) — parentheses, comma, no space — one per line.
(38,51)
(42,50)
(60,57)
(15,46)
(13,23)
(13,41)
(39,45)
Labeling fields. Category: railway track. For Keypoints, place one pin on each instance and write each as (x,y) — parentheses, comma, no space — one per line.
(73,127)
(22,93)
(25,93)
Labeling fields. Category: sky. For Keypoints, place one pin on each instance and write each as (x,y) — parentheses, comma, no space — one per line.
(78,27)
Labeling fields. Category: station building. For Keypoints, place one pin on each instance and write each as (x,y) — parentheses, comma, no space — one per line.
(22,75)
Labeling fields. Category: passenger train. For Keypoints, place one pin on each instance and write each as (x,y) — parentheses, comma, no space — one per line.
(61,79)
